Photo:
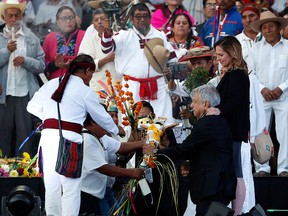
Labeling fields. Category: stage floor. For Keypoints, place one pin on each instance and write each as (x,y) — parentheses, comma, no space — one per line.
(271,192)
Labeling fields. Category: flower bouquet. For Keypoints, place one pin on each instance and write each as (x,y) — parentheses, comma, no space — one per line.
(123,99)
(15,167)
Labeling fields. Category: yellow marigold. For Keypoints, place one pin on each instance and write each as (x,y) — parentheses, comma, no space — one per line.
(118,82)
(25,173)
(13,173)
(26,156)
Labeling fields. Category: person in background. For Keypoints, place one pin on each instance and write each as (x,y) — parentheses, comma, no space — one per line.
(161,18)
(226,21)
(62,47)
(48,9)
(22,59)
(181,36)
(272,75)
(234,105)
(284,14)
(198,57)
(278,5)
(96,195)
(76,100)
(29,15)
(239,5)
(91,45)
(209,7)
(209,149)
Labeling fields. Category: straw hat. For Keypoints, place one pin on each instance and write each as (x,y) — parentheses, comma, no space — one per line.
(268,16)
(12,4)
(159,54)
(98,3)
(197,52)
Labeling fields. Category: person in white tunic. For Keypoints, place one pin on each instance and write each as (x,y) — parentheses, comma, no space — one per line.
(98,148)
(144,81)
(270,65)
(76,99)
(91,45)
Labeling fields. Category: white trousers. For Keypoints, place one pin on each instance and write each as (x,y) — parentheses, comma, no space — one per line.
(249,201)
(62,195)
(280,109)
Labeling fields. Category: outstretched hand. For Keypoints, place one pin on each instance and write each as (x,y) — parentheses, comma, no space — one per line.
(136,173)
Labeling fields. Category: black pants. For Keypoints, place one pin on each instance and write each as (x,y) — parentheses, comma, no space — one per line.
(89,205)
(203,206)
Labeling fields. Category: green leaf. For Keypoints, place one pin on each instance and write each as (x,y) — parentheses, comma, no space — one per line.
(196,78)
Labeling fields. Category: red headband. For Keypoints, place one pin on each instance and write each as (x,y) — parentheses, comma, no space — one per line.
(250,8)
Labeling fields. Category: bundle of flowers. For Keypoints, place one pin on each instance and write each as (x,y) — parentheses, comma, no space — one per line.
(16,167)
(124,100)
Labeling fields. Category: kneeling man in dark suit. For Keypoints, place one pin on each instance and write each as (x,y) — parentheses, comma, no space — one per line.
(209,149)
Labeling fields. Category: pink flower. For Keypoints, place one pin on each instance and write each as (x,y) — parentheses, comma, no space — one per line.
(1,171)
(6,174)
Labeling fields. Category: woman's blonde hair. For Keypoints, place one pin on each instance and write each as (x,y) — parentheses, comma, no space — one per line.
(233,47)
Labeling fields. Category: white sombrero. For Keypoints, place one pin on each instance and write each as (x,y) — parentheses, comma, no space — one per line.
(268,16)
(12,4)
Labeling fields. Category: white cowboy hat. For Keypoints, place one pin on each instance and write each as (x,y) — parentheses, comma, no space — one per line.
(156,54)
(268,16)
(12,4)
(98,3)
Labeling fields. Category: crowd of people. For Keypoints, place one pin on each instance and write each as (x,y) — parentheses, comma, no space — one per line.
(240,44)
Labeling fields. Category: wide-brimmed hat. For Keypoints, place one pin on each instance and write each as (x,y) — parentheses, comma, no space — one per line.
(156,54)
(197,52)
(268,16)
(12,4)
(98,3)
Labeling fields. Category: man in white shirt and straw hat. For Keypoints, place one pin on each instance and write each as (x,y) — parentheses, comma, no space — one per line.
(22,58)
(270,64)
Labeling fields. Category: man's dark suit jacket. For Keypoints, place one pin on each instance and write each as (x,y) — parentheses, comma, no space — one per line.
(209,149)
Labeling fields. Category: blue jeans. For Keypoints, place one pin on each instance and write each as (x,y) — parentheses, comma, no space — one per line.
(107,202)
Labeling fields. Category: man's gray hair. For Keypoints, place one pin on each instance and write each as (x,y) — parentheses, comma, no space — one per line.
(208,93)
